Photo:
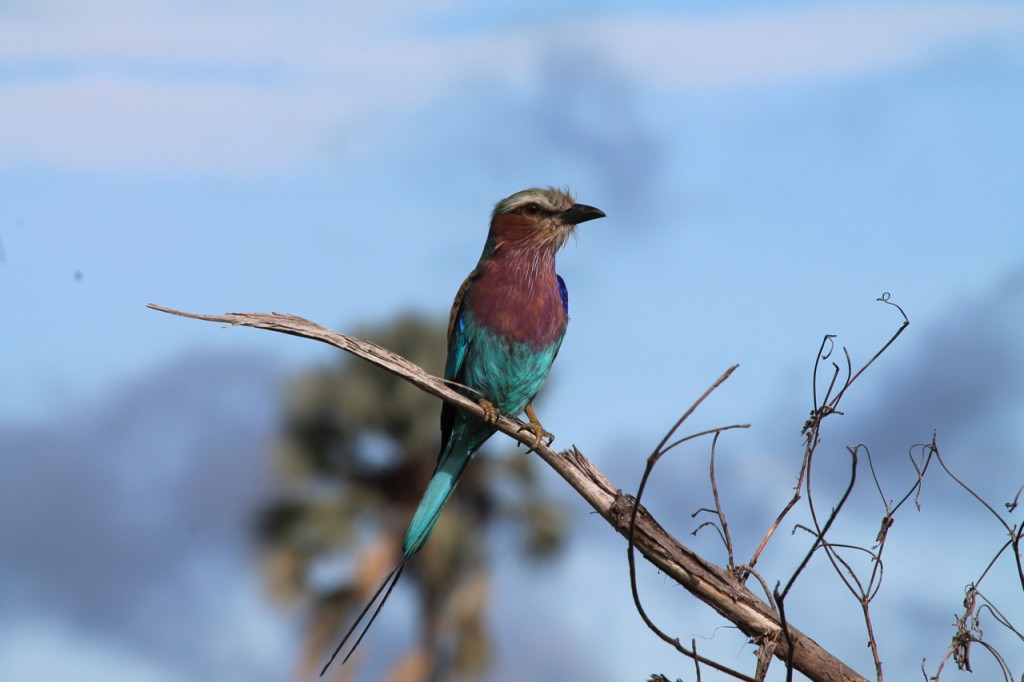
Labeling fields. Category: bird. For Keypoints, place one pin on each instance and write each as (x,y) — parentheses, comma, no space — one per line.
(505,328)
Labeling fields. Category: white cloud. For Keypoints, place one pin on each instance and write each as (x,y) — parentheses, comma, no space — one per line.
(111,124)
(147,88)
(793,46)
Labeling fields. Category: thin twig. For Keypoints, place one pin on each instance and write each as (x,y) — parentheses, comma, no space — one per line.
(651,461)
(718,504)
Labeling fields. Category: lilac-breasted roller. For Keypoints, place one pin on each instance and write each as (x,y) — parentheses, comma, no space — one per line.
(504,331)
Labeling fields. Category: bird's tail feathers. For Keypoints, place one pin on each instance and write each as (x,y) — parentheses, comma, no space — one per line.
(440,488)
(385,588)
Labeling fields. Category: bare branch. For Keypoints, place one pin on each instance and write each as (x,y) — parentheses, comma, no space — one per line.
(710,583)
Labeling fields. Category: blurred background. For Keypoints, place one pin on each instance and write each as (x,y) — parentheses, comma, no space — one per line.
(181,501)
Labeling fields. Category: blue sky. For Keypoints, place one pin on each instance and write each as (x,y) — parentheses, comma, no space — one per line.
(767,174)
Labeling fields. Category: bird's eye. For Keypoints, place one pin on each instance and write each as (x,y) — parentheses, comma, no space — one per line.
(531,209)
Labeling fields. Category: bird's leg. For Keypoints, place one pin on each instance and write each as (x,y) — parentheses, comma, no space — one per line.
(491,411)
(534,427)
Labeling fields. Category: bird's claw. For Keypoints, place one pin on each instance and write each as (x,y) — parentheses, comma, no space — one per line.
(540,434)
(534,427)
(491,411)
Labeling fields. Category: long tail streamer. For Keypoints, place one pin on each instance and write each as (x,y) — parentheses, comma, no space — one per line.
(389,582)
(385,588)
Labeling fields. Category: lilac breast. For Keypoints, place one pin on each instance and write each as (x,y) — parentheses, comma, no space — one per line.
(522,304)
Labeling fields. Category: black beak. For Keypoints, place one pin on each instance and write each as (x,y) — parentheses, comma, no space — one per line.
(581,213)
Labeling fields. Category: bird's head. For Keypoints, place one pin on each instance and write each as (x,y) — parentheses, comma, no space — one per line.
(539,217)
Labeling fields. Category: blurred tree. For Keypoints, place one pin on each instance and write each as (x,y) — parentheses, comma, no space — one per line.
(358,449)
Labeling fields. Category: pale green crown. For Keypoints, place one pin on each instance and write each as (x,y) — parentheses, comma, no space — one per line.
(548,198)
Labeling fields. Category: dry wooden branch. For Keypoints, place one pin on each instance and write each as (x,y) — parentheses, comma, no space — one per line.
(710,583)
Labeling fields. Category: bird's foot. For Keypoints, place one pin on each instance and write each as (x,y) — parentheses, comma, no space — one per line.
(491,411)
(539,434)
(538,431)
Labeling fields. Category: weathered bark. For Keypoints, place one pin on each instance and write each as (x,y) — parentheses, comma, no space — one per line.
(708,582)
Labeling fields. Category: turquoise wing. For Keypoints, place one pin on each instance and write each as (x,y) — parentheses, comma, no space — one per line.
(458,347)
